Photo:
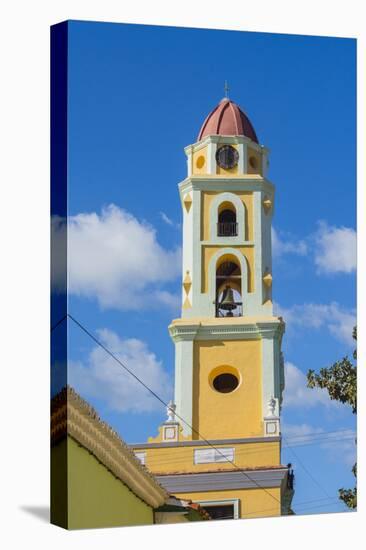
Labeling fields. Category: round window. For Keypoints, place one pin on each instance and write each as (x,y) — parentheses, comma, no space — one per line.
(225,382)
(227,156)
(200,162)
(253,162)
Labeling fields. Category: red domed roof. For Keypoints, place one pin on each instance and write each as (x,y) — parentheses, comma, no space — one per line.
(227,119)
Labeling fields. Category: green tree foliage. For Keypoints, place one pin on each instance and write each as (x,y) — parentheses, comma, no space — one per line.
(340,380)
(349,496)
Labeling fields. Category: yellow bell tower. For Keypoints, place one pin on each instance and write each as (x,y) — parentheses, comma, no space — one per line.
(221,443)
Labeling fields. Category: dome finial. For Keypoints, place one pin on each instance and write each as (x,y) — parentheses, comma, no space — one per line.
(226,89)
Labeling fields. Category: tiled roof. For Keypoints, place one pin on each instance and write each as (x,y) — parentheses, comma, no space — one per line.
(227,119)
(73,416)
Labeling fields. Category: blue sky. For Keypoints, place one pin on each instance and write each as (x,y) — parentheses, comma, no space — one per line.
(137,97)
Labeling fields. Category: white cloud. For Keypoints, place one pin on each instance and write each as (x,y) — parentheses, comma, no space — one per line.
(339,445)
(332,248)
(336,249)
(288,245)
(168,298)
(102,377)
(117,259)
(169,221)
(299,431)
(343,449)
(339,321)
(166,219)
(298,395)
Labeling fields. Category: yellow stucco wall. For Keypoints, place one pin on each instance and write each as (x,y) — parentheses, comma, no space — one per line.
(231,415)
(199,162)
(258,160)
(96,498)
(181,459)
(253,502)
(208,251)
(206,198)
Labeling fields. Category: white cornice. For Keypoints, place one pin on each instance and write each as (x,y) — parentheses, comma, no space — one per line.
(219,241)
(224,480)
(214,138)
(226,329)
(223,183)
(202,442)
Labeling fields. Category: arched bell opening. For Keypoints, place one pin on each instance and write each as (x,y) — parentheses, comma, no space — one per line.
(227,225)
(228,288)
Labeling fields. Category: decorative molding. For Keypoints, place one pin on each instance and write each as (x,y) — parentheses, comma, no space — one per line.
(212,456)
(225,328)
(74,417)
(212,268)
(240,218)
(271,422)
(230,242)
(267,279)
(187,201)
(267,204)
(223,480)
(198,443)
(244,182)
(218,139)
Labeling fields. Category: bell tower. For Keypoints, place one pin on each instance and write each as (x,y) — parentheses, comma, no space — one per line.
(229,368)
(221,443)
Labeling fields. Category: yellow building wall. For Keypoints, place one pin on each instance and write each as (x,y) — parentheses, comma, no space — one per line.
(199,162)
(228,415)
(254,503)
(96,498)
(208,251)
(257,169)
(206,198)
(163,460)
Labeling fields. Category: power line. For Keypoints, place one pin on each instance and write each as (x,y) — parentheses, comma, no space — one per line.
(111,354)
(59,322)
(307,471)
(259,448)
(166,405)
(306,437)
(319,434)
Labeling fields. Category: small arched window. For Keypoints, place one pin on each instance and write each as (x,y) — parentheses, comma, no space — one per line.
(228,288)
(226,224)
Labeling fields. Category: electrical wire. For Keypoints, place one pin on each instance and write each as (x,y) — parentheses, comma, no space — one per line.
(166,405)
(307,437)
(307,471)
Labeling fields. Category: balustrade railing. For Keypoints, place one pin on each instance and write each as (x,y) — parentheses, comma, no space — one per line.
(227,229)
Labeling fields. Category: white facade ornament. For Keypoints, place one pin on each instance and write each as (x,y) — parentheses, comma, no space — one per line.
(170,428)
(171,411)
(271,406)
(272,420)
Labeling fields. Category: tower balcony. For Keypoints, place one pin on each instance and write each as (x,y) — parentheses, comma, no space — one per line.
(227,229)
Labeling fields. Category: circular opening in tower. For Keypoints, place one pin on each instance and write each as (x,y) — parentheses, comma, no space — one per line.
(225,382)
(253,163)
(200,162)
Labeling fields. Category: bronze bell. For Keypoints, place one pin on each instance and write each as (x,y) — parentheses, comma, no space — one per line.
(228,303)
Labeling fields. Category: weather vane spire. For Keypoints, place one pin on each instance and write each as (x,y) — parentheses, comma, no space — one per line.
(226,89)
